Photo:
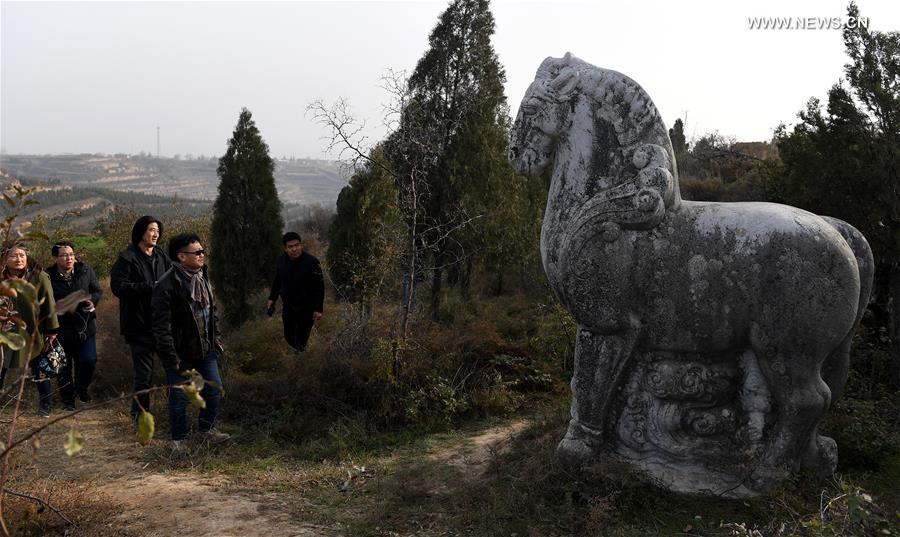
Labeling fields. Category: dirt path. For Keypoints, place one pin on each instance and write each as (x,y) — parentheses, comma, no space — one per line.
(473,455)
(157,498)
(156,503)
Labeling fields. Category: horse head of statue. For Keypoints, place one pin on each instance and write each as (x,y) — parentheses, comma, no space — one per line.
(604,140)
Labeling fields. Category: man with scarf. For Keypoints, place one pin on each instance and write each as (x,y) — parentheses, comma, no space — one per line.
(132,279)
(184,325)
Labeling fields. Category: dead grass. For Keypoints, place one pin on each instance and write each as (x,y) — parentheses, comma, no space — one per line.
(91,510)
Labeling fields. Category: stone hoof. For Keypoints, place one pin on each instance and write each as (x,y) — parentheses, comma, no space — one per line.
(577,446)
(573,451)
(820,456)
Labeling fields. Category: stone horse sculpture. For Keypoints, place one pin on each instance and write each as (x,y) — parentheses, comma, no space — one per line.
(712,337)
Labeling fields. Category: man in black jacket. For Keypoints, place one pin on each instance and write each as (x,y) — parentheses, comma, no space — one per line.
(132,279)
(184,325)
(299,283)
(77,329)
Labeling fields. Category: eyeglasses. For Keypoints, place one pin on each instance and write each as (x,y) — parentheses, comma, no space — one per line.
(195,252)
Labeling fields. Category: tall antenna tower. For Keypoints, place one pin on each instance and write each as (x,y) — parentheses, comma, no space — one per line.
(157,142)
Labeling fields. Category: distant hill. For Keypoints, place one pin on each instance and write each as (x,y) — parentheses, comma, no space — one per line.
(81,207)
(299,181)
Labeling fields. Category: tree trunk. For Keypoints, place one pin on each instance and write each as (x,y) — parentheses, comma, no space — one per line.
(408,299)
(466,280)
(436,282)
(880,302)
(894,313)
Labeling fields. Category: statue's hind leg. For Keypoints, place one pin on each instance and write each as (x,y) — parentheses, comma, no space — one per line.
(837,366)
(600,361)
(821,451)
(801,398)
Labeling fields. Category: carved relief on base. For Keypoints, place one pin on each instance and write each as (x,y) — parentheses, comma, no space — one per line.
(694,422)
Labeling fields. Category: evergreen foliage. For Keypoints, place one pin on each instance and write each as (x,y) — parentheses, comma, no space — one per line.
(247,224)
(366,234)
(679,142)
(844,161)
(471,197)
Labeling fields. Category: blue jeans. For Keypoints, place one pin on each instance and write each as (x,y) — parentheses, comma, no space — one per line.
(178,401)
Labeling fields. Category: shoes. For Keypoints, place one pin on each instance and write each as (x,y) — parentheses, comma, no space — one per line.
(85,396)
(69,407)
(43,412)
(214,436)
(179,448)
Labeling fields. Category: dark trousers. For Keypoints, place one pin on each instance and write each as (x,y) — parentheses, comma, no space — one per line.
(80,364)
(142,358)
(44,388)
(81,360)
(178,401)
(297,326)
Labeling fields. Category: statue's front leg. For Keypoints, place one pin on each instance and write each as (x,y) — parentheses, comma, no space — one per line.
(600,362)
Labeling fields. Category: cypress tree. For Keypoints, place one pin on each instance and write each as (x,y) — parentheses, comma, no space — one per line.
(679,142)
(247,223)
(458,82)
(366,234)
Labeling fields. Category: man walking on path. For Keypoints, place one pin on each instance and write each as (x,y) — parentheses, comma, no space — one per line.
(78,328)
(184,324)
(299,283)
(132,279)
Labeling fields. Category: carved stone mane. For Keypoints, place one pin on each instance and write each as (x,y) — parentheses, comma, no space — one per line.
(631,160)
(622,101)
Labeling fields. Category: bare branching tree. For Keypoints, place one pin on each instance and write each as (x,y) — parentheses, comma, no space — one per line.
(411,150)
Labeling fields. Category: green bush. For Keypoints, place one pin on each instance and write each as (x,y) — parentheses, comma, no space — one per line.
(354,370)
(865,431)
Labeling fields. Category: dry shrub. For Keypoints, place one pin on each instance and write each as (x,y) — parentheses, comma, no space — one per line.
(93,512)
(313,245)
(354,379)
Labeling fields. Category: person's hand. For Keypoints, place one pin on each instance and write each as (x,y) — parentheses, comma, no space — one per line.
(317,315)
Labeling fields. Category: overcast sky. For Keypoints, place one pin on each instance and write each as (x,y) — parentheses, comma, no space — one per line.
(99,77)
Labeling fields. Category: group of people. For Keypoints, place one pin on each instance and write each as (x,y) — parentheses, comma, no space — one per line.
(75,330)
(167,312)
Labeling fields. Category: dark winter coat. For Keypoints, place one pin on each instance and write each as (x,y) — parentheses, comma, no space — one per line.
(83,279)
(175,328)
(132,279)
(299,283)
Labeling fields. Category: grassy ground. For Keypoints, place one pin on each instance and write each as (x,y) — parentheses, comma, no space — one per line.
(319,438)
(458,483)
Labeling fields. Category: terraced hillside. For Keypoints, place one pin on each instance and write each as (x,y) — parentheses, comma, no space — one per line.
(299,182)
